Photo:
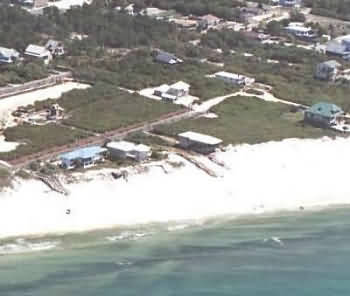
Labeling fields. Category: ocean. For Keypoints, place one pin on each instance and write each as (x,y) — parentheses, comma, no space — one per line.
(289,254)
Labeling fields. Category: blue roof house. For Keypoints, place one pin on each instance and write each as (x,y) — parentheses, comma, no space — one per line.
(83,157)
(323,114)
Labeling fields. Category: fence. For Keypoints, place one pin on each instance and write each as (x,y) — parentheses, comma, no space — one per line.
(34,85)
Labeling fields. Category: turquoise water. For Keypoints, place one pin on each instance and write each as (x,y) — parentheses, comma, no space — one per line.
(288,254)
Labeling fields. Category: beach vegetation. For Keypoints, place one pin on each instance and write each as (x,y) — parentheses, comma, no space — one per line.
(5,178)
(247,120)
(23,174)
(104,108)
(39,138)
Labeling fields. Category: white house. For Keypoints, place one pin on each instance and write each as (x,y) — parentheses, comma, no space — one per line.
(198,142)
(125,149)
(39,52)
(233,78)
(55,47)
(176,90)
(299,30)
(327,70)
(209,20)
(130,9)
(8,55)
(172,92)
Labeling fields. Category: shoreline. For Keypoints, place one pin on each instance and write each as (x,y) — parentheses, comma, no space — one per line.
(257,179)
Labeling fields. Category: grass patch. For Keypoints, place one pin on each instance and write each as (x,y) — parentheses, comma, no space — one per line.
(247,120)
(100,111)
(37,138)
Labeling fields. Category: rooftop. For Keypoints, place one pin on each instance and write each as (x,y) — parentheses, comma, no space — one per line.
(336,47)
(128,146)
(331,64)
(53,43)
(325,109)
(180,85)
(35,50)
(83,153)
(228,75)
(8,53)
(166,57)
(210,17)
(201,138)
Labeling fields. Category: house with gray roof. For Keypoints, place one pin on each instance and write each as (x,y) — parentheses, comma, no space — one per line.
(38,52)
(323,114)
(167,58)
(327,70)
(8,55)
(198,142)
(340,48)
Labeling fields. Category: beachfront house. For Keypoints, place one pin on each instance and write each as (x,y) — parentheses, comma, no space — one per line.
(125,149)
(55,47)
(167,58)
(82,157)
(8,55)
(299,30)
(323,115)
(235,79)
(38,52)
(198,142)
(327,70)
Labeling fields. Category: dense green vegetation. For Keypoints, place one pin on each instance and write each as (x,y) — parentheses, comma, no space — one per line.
(331,8)
(104,108)
(247,120)
(21,73)
(220,8)
(38,138)
(296,82)
(138,70)
(103,27)
(5,178)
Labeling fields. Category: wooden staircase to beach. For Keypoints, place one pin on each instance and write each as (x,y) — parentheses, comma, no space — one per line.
(53,183)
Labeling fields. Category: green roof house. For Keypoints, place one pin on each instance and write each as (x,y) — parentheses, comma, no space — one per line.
(323,114)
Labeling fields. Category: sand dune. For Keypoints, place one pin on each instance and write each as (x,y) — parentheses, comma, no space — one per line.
(258,178)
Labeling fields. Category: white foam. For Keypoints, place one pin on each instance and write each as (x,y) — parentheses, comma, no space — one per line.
(24,246)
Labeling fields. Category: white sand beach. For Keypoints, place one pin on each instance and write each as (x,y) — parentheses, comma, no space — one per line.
(256,179)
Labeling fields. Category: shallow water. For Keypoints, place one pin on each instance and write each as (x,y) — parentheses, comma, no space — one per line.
(300,253)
